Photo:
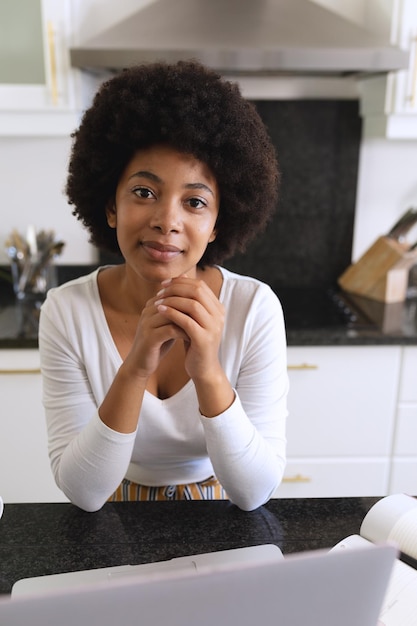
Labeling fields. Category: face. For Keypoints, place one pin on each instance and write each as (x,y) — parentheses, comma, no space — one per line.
(165,211)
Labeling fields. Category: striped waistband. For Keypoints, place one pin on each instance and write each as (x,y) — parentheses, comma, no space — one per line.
(129,491)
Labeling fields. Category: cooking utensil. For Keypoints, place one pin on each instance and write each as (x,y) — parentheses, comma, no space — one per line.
(31,260)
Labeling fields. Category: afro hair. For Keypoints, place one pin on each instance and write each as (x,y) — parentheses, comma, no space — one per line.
(194,110)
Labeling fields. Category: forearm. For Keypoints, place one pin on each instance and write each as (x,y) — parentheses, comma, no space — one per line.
(248,464)
(214,392)
(93,464)
(121,407)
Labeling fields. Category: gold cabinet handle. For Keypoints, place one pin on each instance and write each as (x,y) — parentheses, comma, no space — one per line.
(298,478)
(52,62)
(414,77)
(412,96)
(303,366)
(35,370)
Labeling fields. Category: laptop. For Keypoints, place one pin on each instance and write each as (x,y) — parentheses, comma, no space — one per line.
(194,564)
(324,588)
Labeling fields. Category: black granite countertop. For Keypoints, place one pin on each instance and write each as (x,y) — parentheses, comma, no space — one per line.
(40,539)
(308,322)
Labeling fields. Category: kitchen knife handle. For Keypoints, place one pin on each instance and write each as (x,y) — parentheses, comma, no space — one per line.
(403,225)
(303,366)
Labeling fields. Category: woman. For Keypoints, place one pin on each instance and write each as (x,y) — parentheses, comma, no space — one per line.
(165,375)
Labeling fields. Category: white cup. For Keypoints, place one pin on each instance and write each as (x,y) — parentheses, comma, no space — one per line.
(1,507)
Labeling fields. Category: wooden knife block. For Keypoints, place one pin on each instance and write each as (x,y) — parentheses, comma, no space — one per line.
(382,272)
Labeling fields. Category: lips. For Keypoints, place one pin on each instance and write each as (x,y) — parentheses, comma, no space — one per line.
(161,252)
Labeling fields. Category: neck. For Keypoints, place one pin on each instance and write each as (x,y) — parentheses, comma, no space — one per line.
(134,289)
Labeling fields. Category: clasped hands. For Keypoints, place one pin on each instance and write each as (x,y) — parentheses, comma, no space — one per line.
(183,309)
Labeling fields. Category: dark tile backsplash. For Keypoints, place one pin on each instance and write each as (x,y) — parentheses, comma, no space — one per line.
(309,241)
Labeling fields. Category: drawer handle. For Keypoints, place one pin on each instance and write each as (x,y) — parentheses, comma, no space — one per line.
(298,478)
(35,370)
(303,366)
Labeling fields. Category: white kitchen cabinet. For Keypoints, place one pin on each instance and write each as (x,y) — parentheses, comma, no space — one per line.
(405,442)
(404,464)
(342,407)
(389,102)
(352,425)
(334,477)
(408,385)
(37,84)
(25,474)
(404,475)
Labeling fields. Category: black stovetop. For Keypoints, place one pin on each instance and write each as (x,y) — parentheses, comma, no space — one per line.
(319,307)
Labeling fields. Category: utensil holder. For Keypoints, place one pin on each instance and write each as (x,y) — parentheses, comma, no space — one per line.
(382,272)
(31,282)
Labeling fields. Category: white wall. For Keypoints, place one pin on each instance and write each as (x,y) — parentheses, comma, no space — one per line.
(32,180)
(387,186)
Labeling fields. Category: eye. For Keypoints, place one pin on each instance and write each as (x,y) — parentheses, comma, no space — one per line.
(143,192)
(197,203)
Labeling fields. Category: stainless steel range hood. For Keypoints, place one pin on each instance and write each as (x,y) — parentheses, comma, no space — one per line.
(249,37)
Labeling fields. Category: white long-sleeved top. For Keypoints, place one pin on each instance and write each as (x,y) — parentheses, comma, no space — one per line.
(173,444)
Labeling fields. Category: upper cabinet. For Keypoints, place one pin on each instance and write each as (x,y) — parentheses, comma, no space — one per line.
(389,102)
(37,84)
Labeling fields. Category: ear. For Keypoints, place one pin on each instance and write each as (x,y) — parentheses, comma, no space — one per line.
(111,215)
(213,235)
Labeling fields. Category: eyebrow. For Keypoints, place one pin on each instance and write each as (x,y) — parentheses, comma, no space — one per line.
(156,179)
(199,186)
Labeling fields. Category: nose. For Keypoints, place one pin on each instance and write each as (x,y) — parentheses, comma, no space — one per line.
(166,217)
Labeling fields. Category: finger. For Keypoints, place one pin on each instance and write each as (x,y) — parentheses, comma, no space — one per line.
(195,325)
(184,285)
(164,329)
(187,306)
(191,290)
